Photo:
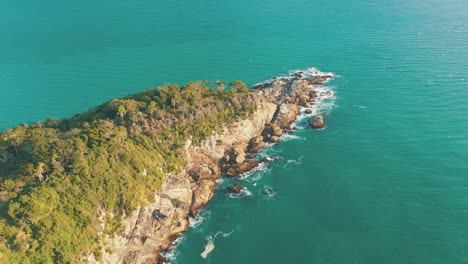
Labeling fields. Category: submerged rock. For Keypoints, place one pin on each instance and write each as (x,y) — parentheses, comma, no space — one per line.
(317,122)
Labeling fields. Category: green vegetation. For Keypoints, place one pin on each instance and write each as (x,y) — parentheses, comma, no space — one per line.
(61,179)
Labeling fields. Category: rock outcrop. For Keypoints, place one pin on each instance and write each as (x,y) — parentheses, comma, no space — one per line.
(235,189)
(151,230)
(317,122)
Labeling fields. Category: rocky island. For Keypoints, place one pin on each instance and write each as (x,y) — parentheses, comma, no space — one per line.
(120,182)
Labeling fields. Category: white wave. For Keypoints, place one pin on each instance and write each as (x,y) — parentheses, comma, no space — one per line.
(294,161)
(243,193)
(171,255)
(195,222)
(210,245)
(261,167)
(220,181)
(289,136)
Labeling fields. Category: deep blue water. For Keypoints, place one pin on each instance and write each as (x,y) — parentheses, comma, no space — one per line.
(385,182)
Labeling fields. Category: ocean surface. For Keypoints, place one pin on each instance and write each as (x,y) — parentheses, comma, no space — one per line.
(385,182)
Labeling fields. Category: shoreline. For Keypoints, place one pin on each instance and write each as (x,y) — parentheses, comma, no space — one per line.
(150,232)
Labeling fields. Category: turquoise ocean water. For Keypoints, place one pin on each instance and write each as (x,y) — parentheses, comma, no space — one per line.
(385,182)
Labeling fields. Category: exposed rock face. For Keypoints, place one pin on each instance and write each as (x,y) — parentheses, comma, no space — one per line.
(287,115)
(274,139)
(317,122)
(152,228)
(236,155)
(256,144)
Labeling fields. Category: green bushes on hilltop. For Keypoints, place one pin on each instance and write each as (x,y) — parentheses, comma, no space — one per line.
(61,179)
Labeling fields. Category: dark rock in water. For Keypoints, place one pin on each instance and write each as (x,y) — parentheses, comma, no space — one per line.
(235,189)
(274,139)
(317,122)
(321,79)
(238,169)
(308,111)
(158,215)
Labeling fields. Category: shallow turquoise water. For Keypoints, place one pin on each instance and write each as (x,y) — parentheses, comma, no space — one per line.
(385,182)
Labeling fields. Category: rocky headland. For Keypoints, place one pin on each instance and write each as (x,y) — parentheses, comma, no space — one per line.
(150,230)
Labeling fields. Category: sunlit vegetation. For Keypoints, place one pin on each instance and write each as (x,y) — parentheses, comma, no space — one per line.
(60,180)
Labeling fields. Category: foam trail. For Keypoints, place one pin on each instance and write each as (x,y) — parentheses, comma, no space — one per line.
(210,244)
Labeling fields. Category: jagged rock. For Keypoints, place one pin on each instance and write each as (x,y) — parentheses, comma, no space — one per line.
(257,147)
(271,130)
(256,144)
(201,172)
(303,98)
(321,79)
(237,155)
(308,111)
(235,189)
(287,115)
(201,195)
(255,140)
(317,122)
(299,84)
(238,169)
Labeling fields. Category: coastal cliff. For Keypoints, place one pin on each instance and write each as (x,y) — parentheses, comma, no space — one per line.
(152,228)
(119,183)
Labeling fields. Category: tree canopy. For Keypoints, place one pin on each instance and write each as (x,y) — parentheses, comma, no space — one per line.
(58,178)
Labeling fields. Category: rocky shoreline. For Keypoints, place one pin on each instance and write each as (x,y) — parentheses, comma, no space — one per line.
(151,229)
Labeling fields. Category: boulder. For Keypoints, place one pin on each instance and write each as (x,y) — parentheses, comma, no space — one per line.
(202,172)
(271,130)
(256,144)
(235,189)
(236,155)
(257,147)
(317,122)
(238,169)
(308,111)
(303,98)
